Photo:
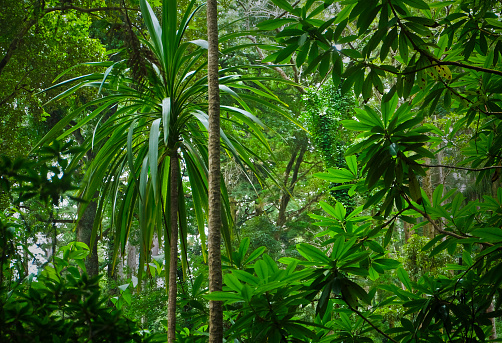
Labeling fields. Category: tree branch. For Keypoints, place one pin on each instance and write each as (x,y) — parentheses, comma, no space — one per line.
(455,167)
(314,165)
(87,10)
(281,72)
(306,206)
(63,221)
(467,66)
(444,232)
(370,323)
(15,42)
(286,12)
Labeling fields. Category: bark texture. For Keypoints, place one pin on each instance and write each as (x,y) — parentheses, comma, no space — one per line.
(84,233)
(428,187)
(86,222)
(214,221)
(132,264)
(173,260)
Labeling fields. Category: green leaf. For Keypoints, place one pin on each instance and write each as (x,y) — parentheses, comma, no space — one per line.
(302,54)
(153,153)
(285,53)
(337,69)
(261,270)
(351,291)
(377,82)
(404,278)
(312,253)
(351,53)
(407,324)
(243,248)
(387,263)
(255,254)
(437,196)
(153,26)
(273,24)
(356,125)
(166,118)
(352,164)
(325,64)
(232,282)
(415,192)
(344,13)
(387,43)
(417,4)
(224,296)
(403,46)
(394,149)
(489,234)
(367,89)
(283,4)
(388,235)
(246,277)
(338,212)
(200,43)
(494,22)
(336,175)
(466,258)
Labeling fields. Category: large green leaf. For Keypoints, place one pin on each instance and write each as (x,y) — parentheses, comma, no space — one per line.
(153,153)
(312,253)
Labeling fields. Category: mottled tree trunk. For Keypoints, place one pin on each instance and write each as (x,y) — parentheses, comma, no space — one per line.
(493,334)
(428,189)
(84,233)
(439,157)
(86,222)
(25,256)
(155,246)
(173,260)
(408,232)
(214,192)
(131,260)
(118,273)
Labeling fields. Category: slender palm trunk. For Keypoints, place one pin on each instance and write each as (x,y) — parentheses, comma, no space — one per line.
(214,239)
(173,261)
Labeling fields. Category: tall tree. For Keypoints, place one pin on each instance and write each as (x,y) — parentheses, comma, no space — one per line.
(214,221)
(160,95)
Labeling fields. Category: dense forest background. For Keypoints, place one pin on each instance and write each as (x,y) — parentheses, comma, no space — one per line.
(361,151)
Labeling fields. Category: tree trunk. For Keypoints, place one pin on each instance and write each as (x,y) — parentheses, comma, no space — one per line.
(441,177)
(214,192)
(86,222)
(155,246)
(286,197)
(493,334)
(131,260)
(407,231)
(173,259)
(84,233)
(428,229)
(119,269)
(281,217)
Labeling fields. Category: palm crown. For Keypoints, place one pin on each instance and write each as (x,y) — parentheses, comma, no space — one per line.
(156,118)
